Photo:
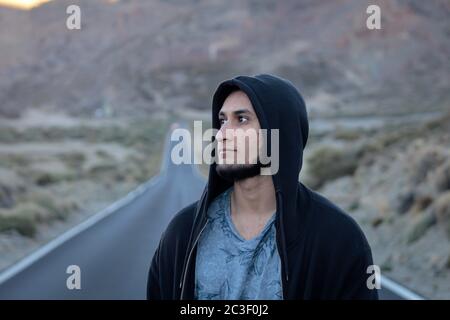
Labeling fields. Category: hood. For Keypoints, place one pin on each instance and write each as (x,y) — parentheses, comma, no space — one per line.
(278,105)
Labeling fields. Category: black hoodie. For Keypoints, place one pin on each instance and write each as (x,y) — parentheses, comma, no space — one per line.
(324,254)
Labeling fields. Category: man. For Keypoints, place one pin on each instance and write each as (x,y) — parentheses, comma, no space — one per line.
(255,236)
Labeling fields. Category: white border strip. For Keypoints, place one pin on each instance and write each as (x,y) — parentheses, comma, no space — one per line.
(399,289)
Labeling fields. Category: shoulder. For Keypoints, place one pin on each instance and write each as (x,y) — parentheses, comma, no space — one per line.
(184,216)
(181,224)
(335,226)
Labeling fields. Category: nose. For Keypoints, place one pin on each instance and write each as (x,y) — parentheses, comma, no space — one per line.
(225,133)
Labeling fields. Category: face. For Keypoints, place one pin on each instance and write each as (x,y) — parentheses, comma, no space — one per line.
(238,140)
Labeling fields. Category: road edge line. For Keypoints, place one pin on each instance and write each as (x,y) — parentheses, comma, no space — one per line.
(399,290)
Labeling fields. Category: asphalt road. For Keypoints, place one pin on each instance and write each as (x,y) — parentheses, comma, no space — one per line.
(113,253)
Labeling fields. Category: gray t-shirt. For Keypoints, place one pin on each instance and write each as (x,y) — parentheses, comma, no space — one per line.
(229,267)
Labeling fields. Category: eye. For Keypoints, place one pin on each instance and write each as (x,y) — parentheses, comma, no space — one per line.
(222,121)
(242,119)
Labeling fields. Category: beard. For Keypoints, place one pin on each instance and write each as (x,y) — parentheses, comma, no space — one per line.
(237,172)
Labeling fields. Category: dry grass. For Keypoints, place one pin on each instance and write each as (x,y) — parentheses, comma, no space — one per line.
(442,211)
(328,163)
(34,208)
(419,226)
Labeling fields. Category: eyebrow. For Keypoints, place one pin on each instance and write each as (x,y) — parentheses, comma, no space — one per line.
(237,112)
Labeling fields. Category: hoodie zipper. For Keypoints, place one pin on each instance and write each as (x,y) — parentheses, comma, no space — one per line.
(283,255)
(281,281)
(182,283)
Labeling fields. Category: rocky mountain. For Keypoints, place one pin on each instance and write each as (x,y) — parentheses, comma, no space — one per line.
(138,56)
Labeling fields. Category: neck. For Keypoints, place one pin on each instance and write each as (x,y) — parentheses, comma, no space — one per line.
(254,197)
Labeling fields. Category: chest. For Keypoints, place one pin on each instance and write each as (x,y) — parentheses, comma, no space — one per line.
(229,268)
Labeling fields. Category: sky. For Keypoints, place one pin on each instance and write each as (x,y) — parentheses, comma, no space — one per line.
(22,4)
